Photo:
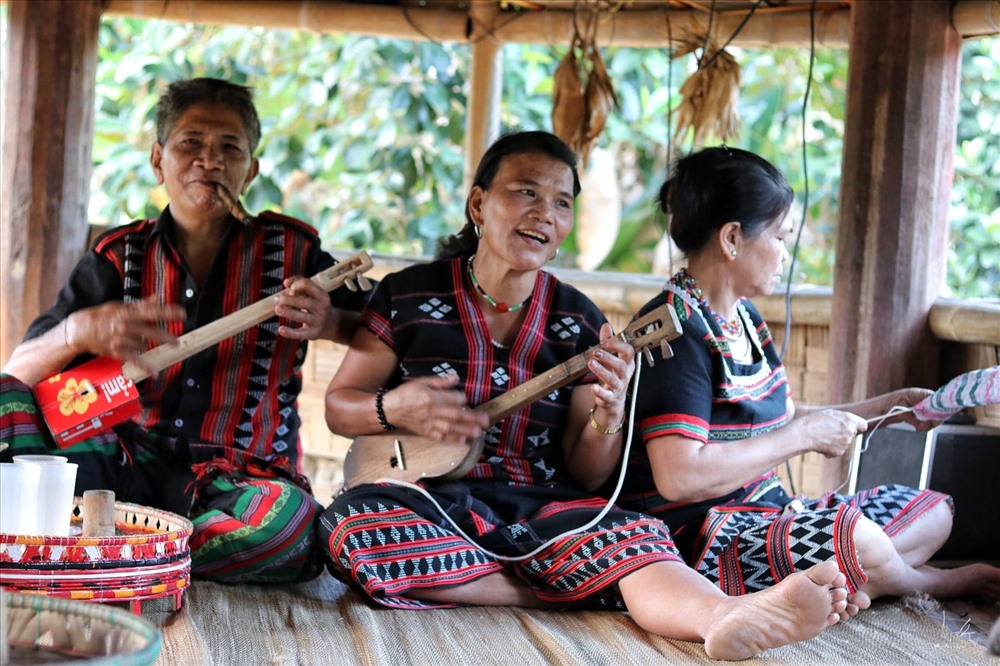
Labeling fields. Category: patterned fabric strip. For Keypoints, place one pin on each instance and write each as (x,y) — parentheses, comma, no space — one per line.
(684,425)
(390,550)
(20,417)
(893,507)
(747,548)
(971,389)
(259,530)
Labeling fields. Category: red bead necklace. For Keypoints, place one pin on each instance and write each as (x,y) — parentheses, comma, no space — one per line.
(499,306)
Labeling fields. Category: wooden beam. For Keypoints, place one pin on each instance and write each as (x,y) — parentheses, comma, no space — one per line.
(644,24)
(899,143)
(811,306)
(652,26)
(47,138)
(976,18)
(969,322)
(485,87)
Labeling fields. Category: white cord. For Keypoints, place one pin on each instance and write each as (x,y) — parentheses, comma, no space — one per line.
(896,409)
(582,528)
(866,438)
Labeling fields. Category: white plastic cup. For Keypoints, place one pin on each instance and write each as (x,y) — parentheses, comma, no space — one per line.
(50,494)
(56,484)
(19,498)
(39,459)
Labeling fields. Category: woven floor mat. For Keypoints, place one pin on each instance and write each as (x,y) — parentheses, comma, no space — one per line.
(322,622)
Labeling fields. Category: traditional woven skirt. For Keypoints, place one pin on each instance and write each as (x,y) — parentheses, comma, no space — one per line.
(390,540)
(254,530)
(750,544)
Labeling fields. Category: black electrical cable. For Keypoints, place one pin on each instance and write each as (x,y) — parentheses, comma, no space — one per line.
(729,41)
(670,135)
(805,180)
(805,206)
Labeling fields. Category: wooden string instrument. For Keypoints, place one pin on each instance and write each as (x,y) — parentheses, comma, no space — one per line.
(90,398)
(408,457)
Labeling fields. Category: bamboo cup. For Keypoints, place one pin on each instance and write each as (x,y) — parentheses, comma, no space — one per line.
(98,513)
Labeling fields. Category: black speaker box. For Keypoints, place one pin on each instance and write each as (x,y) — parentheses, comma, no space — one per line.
(961,460)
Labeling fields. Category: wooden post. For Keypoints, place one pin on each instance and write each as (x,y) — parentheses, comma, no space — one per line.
(899,143)
(47,139)
(485,80)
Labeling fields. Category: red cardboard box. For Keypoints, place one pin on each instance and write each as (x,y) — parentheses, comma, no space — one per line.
(87,400)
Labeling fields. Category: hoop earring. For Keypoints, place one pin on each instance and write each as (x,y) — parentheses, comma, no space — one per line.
(477,230)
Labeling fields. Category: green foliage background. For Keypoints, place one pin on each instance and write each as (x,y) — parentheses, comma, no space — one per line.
(363,137)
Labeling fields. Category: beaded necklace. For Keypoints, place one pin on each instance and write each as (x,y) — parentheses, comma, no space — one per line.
(498,306)
(732,329)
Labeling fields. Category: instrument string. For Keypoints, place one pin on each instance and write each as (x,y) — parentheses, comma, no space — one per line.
(866,439)
(576,530)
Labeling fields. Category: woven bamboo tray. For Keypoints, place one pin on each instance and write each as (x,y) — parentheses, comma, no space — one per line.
(45,629)
(148,558)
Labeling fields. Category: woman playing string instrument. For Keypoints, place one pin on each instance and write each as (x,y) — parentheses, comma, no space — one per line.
(461,330)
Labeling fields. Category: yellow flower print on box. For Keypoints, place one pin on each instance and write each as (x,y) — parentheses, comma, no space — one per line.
(76,397)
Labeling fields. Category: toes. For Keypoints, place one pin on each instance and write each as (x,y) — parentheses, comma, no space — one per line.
(827,573)
(859,599)
(840,580)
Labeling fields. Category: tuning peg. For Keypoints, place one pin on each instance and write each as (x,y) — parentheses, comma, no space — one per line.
(349,283)
(665,350)
(649,356)
(364,283)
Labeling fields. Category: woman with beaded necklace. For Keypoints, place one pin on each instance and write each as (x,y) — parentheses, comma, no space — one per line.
(466,328)
(714,421)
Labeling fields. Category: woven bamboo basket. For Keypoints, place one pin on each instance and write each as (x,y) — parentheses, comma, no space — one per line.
(38,629)
(149,557)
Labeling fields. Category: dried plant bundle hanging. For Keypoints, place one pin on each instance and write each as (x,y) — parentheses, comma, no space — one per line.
(709,97)
(569,107)
(583,94)
(600,98)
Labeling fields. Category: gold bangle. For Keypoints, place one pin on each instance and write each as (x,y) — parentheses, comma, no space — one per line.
(601,429)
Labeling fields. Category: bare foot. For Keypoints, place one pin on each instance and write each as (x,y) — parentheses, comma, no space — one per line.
(856,603)
(973,580)
(797,608)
